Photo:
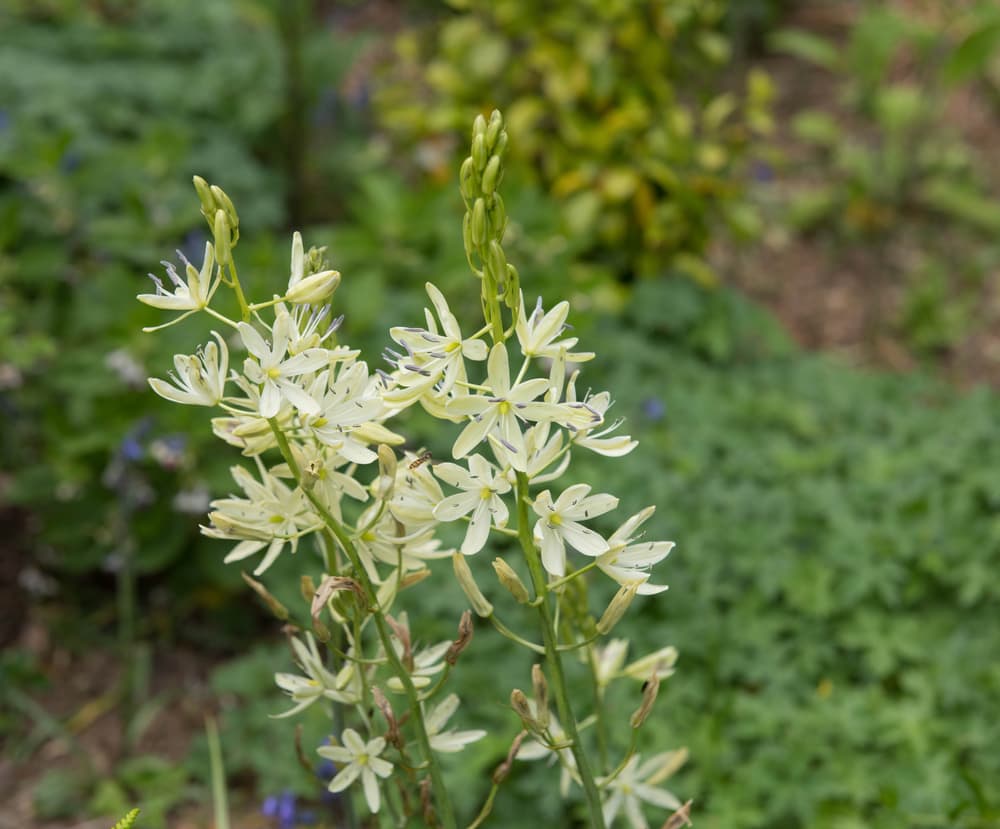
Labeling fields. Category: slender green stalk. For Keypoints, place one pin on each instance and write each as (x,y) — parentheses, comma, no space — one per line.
(557,679)
(602,732)
(445,808)
(218,771)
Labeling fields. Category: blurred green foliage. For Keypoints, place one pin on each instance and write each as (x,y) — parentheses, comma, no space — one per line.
(886,166)
(618,108)
(837,530)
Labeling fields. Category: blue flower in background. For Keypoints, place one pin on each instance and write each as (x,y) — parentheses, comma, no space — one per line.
(282,808)
(654,408)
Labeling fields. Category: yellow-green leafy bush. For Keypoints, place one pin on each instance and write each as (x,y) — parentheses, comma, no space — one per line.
(620,108)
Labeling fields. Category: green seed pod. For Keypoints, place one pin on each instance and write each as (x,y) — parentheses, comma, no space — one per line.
(479,233)
(494,129)
(468,181)
(479,153)
(491,175)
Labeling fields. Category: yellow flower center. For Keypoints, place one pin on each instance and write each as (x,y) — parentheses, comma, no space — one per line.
(273,373)
(362,760)
(320,422)
(452,347)
(485,493)
(277,519)
(555,520)
(504,407)
(368,536)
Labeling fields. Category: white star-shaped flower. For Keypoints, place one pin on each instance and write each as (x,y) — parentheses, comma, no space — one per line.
(500,412)
(559,524)
(318,683)
(537,333)
(628,562)
(448,742)
(270,368)
(481,486)
(357,758)
(189,296)
(431,357)
(636,784)
(200,379)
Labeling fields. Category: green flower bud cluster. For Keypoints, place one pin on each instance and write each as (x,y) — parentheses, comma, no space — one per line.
(223,221)
(486,220)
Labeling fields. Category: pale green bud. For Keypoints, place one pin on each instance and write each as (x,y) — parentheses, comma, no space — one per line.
(307,587)
(470,246)
(222,238)
(314,289)
(509,579)
(479,233)
(479,126)
(479,153)
(225,203)
(494,129)
(616,608)
(497,261)
(479,603)
(491,175)
(208,205)
(467,180)
(501,145)
(498,217)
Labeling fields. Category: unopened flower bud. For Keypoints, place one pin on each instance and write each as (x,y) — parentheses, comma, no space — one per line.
(616,608)
(650,688)
(497,262)
(498,217)
(500,147)
(225,203)
(467,180)
(386,471)
(314,289)
(276,607)
(479,125)
(509,579)
(522,707)
(479,603)
(480,155)
(494,129)
(223,251)
(463,639)
(541,690)
(208,205)
(491,175)
(479,222)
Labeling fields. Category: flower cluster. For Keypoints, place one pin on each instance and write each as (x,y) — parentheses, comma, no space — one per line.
(310,416)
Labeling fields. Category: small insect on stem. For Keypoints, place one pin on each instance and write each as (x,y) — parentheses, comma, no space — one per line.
(421,460)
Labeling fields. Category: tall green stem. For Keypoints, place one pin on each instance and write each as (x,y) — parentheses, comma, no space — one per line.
(447,813)
(557,680)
